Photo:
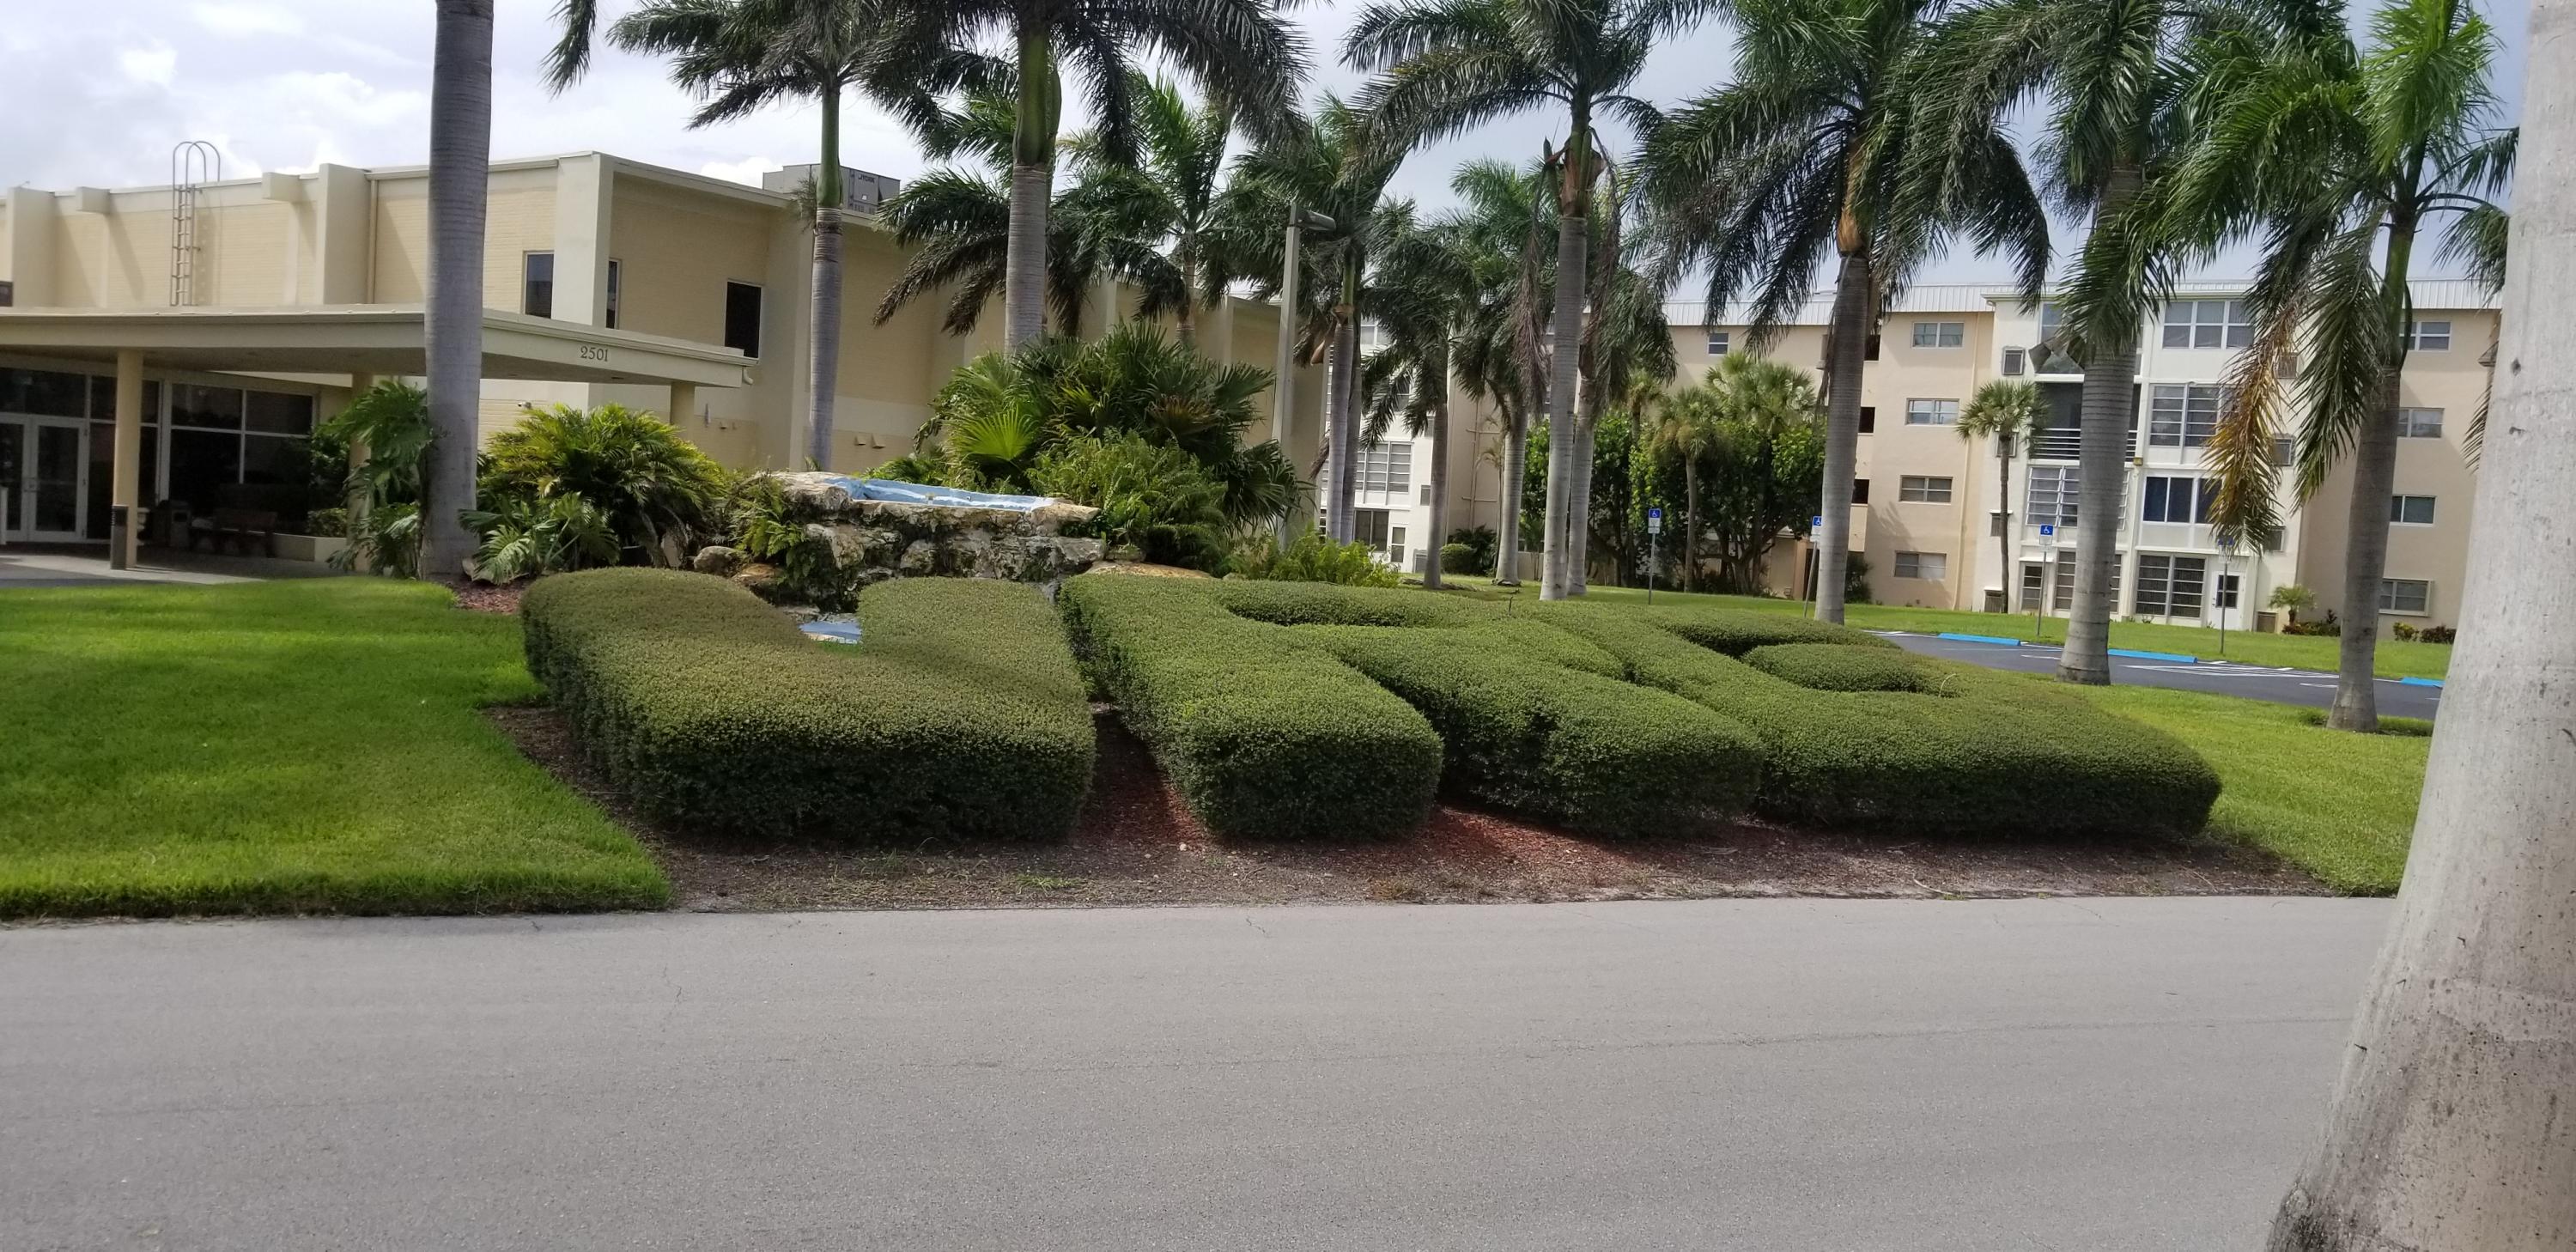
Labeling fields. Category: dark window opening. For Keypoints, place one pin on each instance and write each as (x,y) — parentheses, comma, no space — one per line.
(1860,491)
(614,275)
(742,318)
(537,288)
(1868,418)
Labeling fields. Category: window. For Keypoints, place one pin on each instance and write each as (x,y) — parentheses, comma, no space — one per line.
(1940,334)
(1860,491)
(1395,546)
(537,284)
(2183,416)
(2428,336)
(2405,595)
(1869,350)
(2227,591)
(742,318)
(2410,510)
(8,293)
(1386,467)
(2052,352)
(1931,412)
(1717,340)
(1369,526)
(43,393)
(2014,361)
(2053,491)
(616,277)
(224,436)
(2419,423)
(1997,523)
(1932,566)
(1868,418)
(2061,597)
(1426,493)
(2180,499)
(2170,586)
(2207,324)
(1923,489)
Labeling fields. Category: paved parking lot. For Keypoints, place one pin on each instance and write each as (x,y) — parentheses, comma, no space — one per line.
(2252,682)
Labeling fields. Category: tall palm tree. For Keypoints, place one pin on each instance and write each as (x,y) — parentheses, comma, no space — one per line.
(2006,410)
(460,162)
(1805,152)
(1502,227)
(1627,348)
(2115,78)
(740,56)
(1167,200)
(1452,65)
(1686,427)
(2342,156)
(1321,165)
(1423,295)
(1241,44)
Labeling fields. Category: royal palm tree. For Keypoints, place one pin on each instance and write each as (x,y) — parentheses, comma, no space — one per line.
(460,162)
(2342,156)
(1168,200)
(2006,410)
(1452,65)
(1804,153)
(1242,45)
(1321,166)
(2114,79)
(1502,228)
(1423,295)
(741,56)
(1686,427)
(1627,349)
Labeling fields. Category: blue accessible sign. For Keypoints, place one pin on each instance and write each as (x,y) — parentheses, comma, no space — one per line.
(2047,531)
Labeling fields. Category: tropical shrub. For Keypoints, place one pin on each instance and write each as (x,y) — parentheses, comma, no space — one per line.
(1264,733)
(1151,496)
(960,714)
(1458,558)
(1481,543)
(1313,559)
(2438,634)
(524,536)
(1842,667)
(392,420)
(658,495)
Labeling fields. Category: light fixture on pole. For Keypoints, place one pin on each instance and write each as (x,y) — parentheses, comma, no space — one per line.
(1283,392)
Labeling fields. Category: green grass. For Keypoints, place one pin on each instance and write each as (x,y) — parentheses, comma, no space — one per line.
(2395,660)
(2338,805)
(298,746)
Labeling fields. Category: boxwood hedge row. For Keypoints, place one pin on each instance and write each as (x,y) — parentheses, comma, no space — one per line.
(1965,750)
(960,715)
(1264,733)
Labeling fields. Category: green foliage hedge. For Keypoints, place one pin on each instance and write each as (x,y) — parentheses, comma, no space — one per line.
(1265,734)
(961,714)
(1841,667)
(1972,751)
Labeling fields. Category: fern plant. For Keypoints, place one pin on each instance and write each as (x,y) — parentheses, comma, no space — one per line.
(524,537)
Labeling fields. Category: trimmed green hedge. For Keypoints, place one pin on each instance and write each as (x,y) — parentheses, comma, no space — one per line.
(1736,631)
(1976,751)
(960,715)
(1841,667)
(1266,735)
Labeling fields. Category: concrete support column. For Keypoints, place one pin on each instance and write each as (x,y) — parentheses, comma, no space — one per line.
(684,404)
(125,494)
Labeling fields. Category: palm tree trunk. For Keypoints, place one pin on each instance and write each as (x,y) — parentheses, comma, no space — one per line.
(1690,523)
(1185,322)
(460,163)
(823,320)
(1507,553)
(1438,369)
(1573,239)
(1578,516)
(1344,439)
(2374,480)
(2450,1126)
(2102,458)
(1849,341)
(2004,533)
(1032,182)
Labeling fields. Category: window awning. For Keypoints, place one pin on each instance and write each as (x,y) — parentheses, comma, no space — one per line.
(364,339)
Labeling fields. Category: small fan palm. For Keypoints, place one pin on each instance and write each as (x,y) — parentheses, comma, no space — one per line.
(661,496)
(2007,411)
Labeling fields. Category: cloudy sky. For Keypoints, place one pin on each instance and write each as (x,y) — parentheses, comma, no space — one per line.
(99,90)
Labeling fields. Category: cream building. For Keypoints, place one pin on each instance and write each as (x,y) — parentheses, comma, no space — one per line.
(233,314)
(1931,520)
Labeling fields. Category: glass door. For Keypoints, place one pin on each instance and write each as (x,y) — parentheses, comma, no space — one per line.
(45,468)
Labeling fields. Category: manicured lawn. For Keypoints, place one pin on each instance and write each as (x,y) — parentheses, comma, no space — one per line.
(281,747)
(2396,660)
(2341,806)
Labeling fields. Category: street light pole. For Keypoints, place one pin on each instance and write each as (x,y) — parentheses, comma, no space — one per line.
(1283,391)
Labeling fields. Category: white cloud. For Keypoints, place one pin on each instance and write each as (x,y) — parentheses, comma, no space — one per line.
(746,171)
(238,20)
(155,65)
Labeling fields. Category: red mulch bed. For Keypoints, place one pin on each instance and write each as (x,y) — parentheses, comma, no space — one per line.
(1137,844)
(484,597)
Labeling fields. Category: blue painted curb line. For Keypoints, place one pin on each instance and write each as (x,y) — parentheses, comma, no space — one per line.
(2421,682)
(2175,657)
(2009,643)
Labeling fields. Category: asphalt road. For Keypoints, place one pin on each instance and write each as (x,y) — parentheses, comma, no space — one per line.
(1780,1075)
(2252,682)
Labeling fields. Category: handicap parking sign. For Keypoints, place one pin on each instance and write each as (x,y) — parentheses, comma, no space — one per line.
(2046,531)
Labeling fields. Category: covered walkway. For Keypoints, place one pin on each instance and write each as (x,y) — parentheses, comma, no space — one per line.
(46,432)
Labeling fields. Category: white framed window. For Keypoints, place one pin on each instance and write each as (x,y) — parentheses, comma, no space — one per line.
(2411,596)
(1931,412)
(2170,586)
(2207,324)
(2419,423)
(1395,538)
(2053,492)
(1931,566)
(2015,361)
(2229,586)
(2433,335)
(616,279)
(2060,589)
(1386,467)
(2179,499)
(1933,334)
(2183,415)
(1426,493)
(1923,489)
(1717,342)
(2410,510)
(537,284)
(1370,526)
